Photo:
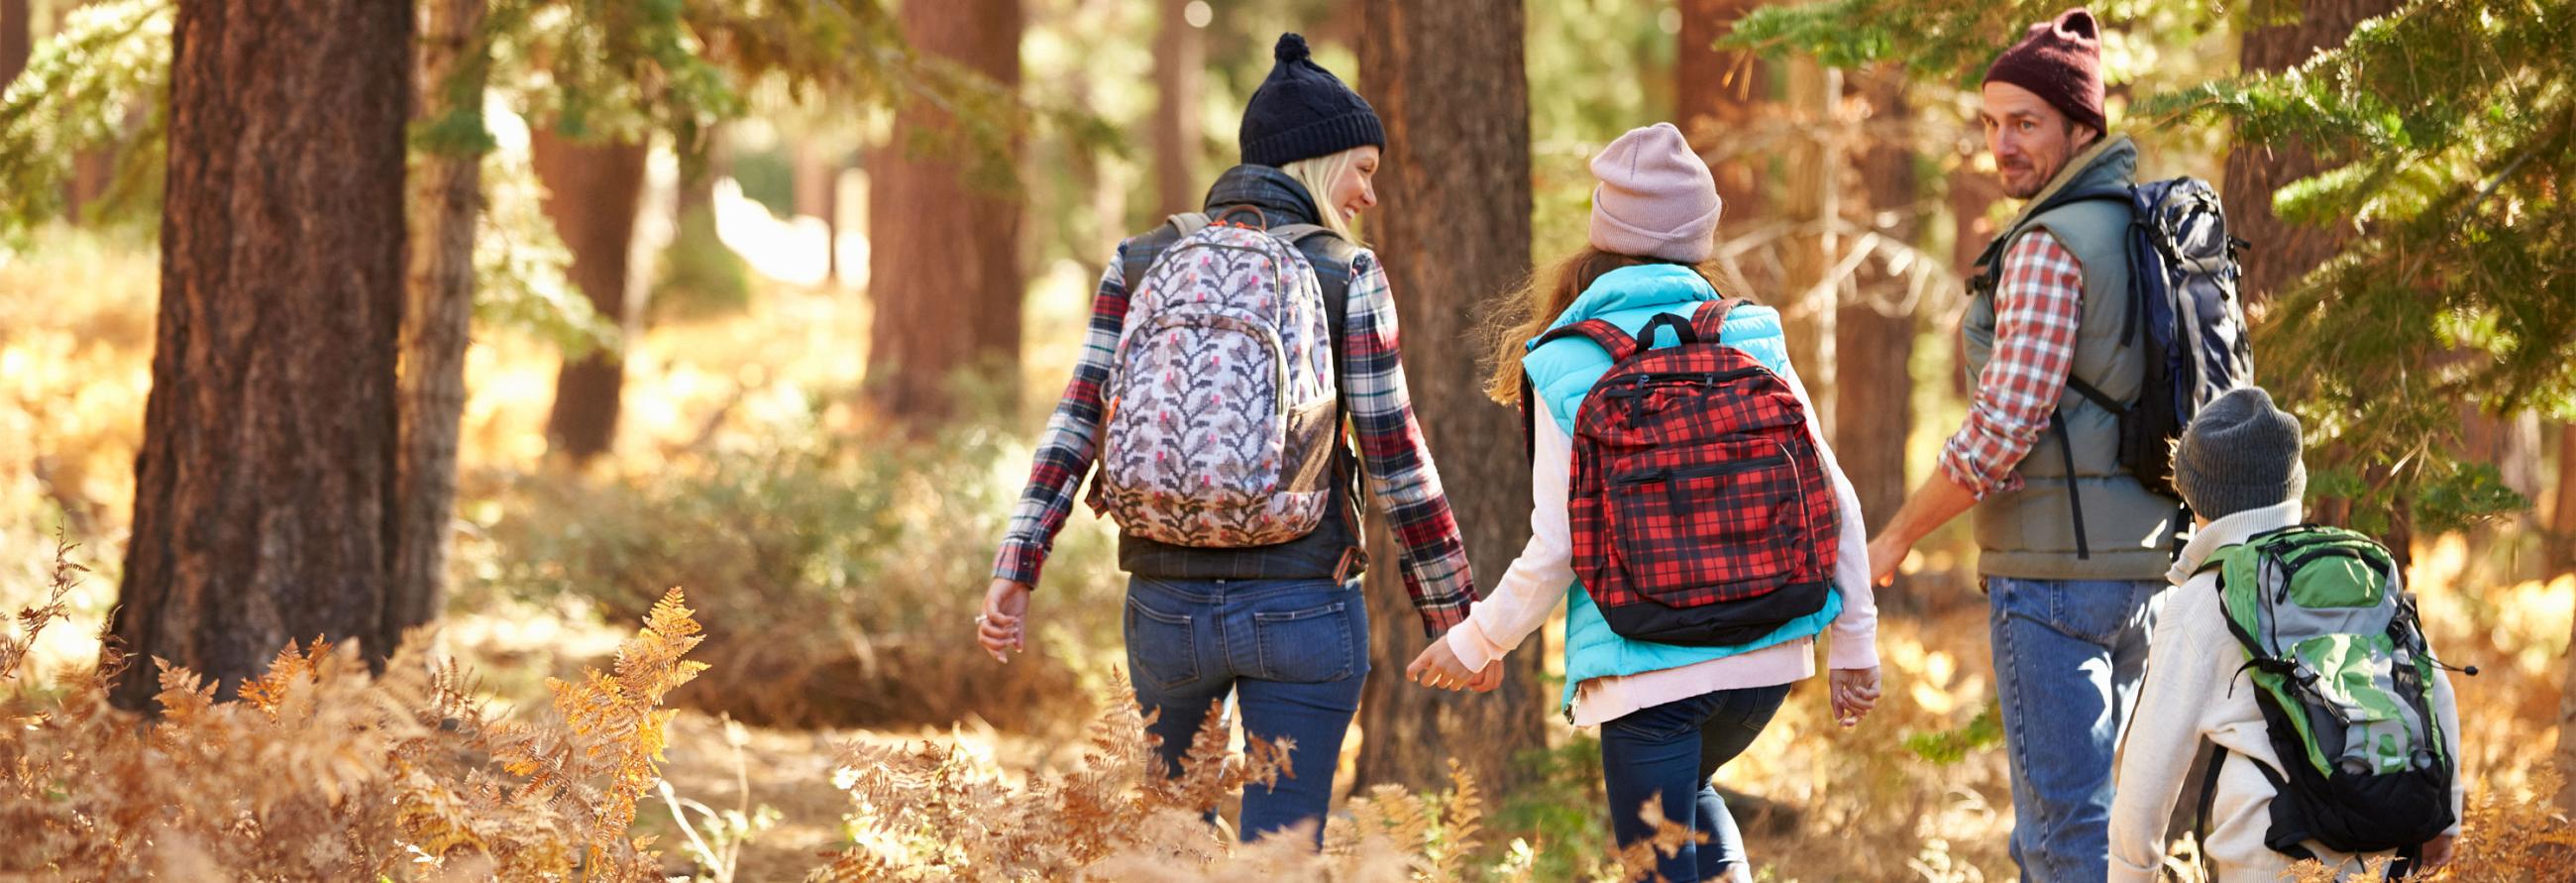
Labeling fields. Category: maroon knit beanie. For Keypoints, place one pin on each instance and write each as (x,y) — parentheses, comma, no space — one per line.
(2061,62)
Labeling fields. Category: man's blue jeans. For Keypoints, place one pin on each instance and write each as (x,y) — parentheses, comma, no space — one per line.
(1293,651)
(2069,656)
(1666,753)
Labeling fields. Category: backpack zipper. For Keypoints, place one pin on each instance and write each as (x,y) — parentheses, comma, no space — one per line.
(1730,467)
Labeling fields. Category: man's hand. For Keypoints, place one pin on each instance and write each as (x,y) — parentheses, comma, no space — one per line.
(1885,553)
(1003,625)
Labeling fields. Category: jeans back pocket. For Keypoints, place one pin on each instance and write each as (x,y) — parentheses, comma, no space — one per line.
(1161,647)
(1309,646)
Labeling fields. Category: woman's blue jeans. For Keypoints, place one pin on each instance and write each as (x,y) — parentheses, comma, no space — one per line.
(1293,652)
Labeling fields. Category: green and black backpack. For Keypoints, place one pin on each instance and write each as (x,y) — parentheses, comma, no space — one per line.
(2343,677)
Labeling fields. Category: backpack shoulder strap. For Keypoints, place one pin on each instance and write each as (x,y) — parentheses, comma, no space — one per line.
(1710,319)
(1296,234)
(1609,337)
(1173,229)
(1332,257)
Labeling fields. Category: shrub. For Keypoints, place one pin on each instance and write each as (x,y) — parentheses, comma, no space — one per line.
(852,575)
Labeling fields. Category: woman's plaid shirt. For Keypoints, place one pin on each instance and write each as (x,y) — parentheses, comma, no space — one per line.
(2037,306)
(1406,485)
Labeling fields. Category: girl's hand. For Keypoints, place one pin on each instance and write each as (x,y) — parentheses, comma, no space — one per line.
(1002,626)
(1439,668)
(1855,692)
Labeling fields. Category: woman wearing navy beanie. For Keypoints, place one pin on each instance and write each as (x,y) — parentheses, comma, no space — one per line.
(1168,396)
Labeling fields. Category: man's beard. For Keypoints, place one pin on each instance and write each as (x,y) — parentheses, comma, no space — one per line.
(2020,191)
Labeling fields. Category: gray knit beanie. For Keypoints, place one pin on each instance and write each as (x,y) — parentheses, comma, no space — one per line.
(2240,453)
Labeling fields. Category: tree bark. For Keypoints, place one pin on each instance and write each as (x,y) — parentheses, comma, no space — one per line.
(593,192)
(2283,252)
(2562,518)
(1448,81)
(2566,756)
(944,258)
(1180,71)
(1875,413)
(1810,298)
(438,309)
(17,34)
(263,507)
(1716,92)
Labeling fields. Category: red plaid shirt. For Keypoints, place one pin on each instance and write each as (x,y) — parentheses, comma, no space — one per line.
(1391,450)
(2037,306)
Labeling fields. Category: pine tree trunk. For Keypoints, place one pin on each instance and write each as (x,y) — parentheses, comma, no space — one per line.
(1717,92)
(815,175)
(1447,79)
(2283,252)
(944,258)
(264,491)
(1180,70)
(2567,730)
(593,192)
(17,32)
(1809,299)
(2562,519)
(1875,412)
(438,306)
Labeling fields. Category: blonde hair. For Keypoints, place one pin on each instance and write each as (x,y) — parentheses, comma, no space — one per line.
(1530,309)
(1317,174)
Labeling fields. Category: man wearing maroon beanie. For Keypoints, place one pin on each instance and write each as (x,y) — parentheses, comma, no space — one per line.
(2072,550)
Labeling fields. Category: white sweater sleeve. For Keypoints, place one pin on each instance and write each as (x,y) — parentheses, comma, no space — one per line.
(2446,708)
(1539,578)
(2183,678)
(1855,630)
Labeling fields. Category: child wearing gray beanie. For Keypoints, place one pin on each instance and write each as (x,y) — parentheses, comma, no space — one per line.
(2238,465)
(2239,453)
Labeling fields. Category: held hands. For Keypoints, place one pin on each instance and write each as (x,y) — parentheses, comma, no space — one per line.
(1002,627)
(1855,692)
(1439,668)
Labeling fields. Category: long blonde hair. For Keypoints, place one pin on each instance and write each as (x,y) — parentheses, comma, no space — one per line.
(1317,174)
(1530,309)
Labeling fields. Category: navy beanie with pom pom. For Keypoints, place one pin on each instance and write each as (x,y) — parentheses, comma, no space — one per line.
(1302,111)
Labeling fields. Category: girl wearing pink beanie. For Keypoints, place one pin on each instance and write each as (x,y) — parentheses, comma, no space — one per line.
(1670,715)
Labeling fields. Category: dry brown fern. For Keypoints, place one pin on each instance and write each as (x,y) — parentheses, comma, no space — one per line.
(323,772)
(937,812)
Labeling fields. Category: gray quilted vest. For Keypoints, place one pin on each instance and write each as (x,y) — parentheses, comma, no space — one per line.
(2127,531)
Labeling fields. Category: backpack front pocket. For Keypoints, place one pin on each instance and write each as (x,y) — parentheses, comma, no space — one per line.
(1716,532)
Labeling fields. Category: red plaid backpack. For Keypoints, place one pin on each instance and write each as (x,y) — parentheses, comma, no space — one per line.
(1701,512)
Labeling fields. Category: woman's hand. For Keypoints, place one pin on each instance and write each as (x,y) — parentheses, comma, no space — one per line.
(1439,668)
(1002,626)
(1855,692)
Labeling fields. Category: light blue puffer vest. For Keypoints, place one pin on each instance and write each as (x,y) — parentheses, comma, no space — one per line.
(1563,372)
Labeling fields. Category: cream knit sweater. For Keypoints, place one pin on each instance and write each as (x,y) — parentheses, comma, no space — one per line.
(2195,691)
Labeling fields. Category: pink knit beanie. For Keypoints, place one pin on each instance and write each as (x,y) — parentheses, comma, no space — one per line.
(1655,198)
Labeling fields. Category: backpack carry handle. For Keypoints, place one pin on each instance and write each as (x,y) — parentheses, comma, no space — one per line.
(1683,335)
(1261,221)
